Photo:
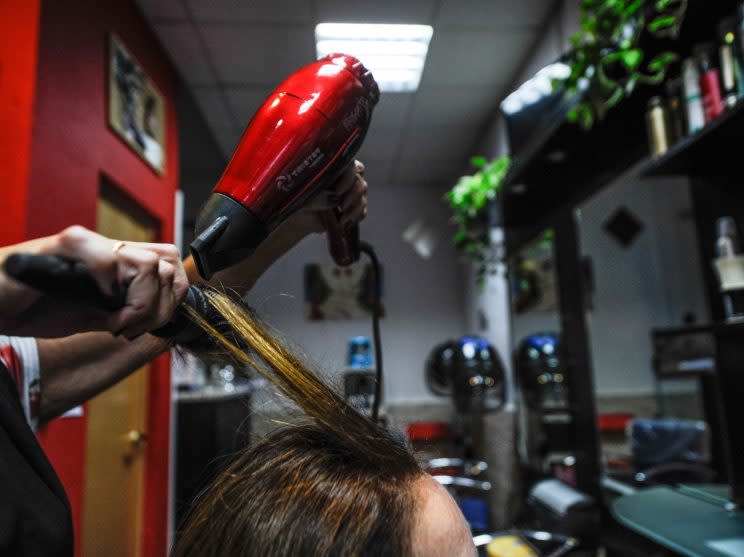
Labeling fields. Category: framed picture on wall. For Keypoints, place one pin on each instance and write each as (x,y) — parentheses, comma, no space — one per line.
(333,293)
(136,109)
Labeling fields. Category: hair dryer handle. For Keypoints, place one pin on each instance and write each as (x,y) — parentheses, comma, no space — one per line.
(342,243)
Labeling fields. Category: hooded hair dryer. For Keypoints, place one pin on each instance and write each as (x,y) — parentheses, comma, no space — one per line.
(299,141)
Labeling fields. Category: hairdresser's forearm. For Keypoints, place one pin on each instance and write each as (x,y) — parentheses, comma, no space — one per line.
(242,276)
(76,368)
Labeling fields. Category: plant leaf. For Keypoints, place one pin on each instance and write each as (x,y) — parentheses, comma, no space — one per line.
(633,7)
(586,117)
(478,162)
(662,23)
(662,5)
(661,61)
(631,58)
(615,98)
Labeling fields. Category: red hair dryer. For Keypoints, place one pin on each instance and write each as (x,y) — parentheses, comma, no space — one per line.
(299,141)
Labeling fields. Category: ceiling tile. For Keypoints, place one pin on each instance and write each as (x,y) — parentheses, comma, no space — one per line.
(460,58)
(494,14)
(244,101)
(430,172)
(284,11)
(258,54)
(379,11)
(228,139)
(212,103)
(446,143)
(162,9)
(454,106)
(181,42)
(392,110)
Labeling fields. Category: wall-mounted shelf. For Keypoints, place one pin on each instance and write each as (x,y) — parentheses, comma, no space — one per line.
(712,151)
(562,165)
(569,168)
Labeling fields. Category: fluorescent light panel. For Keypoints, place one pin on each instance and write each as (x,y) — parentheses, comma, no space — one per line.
(395,54)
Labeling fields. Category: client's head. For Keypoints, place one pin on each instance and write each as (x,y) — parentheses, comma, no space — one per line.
(336,486)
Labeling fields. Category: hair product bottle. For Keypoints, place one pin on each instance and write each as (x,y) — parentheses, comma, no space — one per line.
(657,127)
(677,124)
(693,100)
(710,82)
(739,49)
(726,53)
(730,270)
(359,378)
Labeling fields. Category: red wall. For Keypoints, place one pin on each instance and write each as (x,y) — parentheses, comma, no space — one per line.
(72,148)
(19,27)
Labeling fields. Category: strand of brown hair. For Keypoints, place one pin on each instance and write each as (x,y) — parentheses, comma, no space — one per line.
(241,335)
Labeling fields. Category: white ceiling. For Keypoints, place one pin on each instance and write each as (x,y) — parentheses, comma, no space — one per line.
(232,53)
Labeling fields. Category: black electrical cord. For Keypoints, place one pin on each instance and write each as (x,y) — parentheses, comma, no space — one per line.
(376,310)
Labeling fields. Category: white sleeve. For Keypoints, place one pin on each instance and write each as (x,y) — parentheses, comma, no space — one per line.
(30,390)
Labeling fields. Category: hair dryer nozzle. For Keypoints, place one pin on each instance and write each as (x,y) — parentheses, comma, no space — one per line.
(226,233)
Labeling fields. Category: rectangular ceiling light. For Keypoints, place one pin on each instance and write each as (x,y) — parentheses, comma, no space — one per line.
(395,54)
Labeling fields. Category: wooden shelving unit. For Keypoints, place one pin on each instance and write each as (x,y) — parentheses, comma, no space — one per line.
(563,166)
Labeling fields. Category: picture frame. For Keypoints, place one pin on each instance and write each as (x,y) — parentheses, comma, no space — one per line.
(136,107)
(340,293)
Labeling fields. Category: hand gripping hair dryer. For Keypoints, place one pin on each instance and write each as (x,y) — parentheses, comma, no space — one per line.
(299,141)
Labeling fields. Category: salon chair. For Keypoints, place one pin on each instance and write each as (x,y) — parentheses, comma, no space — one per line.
(670,452)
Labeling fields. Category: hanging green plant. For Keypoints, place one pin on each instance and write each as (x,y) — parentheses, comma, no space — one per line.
(469,200)
(607,61)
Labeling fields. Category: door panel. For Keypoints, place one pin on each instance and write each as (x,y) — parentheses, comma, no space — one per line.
(116,437)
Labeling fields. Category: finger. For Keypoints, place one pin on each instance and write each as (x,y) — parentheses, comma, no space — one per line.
(165,307)
(360,168)
(91,249)
(345,182)
(354,195)
(355,215)
(180,283)
(170,254)
(322,201)
(138,269)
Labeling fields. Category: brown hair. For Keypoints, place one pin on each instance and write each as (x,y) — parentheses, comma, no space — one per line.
(336,486)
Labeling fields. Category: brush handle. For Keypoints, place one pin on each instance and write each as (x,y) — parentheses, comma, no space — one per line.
(61,277)
(64,278)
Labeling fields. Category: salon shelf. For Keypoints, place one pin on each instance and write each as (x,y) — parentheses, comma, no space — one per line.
(534,192)
(572,165)
(716,150)
(562,165)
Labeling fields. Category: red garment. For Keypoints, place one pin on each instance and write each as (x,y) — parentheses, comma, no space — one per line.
(9,358)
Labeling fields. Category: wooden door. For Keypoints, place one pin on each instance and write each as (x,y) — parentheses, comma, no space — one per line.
(116,437)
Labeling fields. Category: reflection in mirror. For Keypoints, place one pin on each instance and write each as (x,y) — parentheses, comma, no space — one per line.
(545,423)
(640,240)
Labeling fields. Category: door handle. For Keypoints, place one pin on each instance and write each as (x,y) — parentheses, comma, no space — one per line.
(137,437)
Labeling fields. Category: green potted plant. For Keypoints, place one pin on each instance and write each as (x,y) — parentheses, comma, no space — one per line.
(607,60)
(469,200)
